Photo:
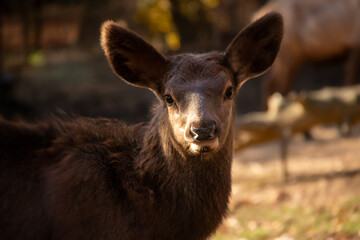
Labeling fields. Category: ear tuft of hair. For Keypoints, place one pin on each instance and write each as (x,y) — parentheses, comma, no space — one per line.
(105,32)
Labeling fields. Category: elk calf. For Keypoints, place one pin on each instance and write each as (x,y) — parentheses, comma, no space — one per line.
(166,179)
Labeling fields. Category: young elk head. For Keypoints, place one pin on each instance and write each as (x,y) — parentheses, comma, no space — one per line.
(197,90)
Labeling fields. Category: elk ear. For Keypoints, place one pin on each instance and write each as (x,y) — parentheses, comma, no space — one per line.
(132,58)
(254,49)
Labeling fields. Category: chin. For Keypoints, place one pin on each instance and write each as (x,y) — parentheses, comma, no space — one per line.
(207,146)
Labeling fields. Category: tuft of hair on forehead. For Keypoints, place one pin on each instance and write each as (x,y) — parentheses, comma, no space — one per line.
(190,66)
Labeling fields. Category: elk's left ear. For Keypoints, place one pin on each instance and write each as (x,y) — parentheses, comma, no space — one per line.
(132,58)
(255,48)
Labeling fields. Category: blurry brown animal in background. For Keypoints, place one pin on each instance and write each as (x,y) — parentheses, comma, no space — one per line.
(167,179)
(314,30)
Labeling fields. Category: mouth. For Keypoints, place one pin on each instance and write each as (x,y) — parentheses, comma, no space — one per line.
(204,146)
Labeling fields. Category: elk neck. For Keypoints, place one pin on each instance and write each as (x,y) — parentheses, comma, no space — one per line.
(172,161)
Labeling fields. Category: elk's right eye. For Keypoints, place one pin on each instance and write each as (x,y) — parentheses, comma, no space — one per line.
(229,93)
(169,100)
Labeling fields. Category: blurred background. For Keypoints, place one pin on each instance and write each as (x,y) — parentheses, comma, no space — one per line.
(51,61)
(51,58)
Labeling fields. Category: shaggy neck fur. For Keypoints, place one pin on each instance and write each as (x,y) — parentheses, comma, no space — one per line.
(186,185)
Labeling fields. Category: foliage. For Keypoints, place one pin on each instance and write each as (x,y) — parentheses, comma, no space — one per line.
(36,58)
(157,16)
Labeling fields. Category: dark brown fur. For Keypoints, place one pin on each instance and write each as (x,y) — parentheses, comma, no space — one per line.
(82,178)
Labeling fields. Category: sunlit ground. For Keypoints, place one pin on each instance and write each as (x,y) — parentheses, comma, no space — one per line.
(323,204)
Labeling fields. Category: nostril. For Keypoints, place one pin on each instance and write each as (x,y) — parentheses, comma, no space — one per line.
(201,134)
(213,131)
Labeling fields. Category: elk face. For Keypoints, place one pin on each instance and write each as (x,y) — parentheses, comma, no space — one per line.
(198,90)
(199,94)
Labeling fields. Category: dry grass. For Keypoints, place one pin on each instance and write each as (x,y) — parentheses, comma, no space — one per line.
(321,202)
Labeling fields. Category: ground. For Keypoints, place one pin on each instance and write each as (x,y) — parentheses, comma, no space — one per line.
(320,201)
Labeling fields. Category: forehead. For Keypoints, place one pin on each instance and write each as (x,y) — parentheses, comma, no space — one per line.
(198,71)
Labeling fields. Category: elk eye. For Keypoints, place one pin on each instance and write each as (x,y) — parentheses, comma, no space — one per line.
(169,99)
(229,93)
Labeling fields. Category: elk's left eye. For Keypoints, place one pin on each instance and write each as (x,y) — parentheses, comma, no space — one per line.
(169,100)
(229,93)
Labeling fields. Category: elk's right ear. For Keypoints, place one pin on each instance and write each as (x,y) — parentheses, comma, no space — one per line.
(132,58)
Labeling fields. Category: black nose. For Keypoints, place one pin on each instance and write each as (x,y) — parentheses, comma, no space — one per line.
(202,134)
